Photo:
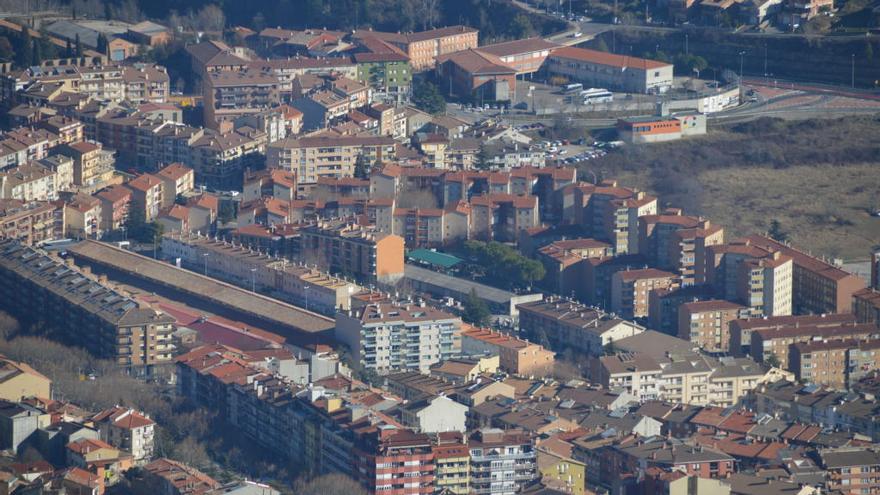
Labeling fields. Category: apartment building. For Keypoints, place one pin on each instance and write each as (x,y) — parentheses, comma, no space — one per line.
(389,337)
(423,48)
(232,94)
(115,203)
(607,70)
(756,277)
(109,323)
(220,158)
(706,323)
(569,324)
(818,287)
(68,130)
(395,460)
(637,373)
(563,262)
(452,464)
(269,183)
(502,462)
(30,223)
(516,356)
(501,217)
(147,195)
(129,430)
(852,470)
(82,216)
(178,179)
(775,344)
(313,157)
(866,306)
(668,249)
(310,288)
(360,251)
(93,166)
(62,166)
(630,290)
(836,364)
(741,330)
(28,182)
(383,66)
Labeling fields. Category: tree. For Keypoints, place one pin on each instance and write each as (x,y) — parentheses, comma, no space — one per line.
(330,484)
(226,213)
(427,97)
(6,50)
(775,232)
(211,18)
(773,360)
(360,168)
(482,159)
(79,50)
(869,51)
(23,50)
(476,311)
(68,50)
(103,44)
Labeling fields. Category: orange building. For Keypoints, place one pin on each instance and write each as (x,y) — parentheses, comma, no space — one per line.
(706,323)
(357,250)
(649,129)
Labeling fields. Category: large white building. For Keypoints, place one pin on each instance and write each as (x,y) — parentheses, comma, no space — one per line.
(608,70)
(396,336)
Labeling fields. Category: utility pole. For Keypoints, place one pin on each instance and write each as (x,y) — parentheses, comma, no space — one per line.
(687,51)
(765,60)
(853,72)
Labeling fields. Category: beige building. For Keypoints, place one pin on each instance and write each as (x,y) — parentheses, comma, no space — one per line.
(424,47)
(31,223)
(147,195)
(756,277)
(82,216)
(62,166)
(178,179)
(387,337)
(93,166)
(516,356)
(295,283)
(28,182)
(313,157)
(19,380)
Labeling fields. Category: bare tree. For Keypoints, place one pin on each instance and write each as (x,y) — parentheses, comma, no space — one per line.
(211,19)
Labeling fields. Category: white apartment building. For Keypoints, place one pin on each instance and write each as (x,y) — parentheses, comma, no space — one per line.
(29,182)
(128,430)
(398,336)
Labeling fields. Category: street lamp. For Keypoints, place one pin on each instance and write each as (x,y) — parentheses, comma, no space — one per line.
(741,67)
(253,280)
(205,256)
(306,293)
(686,47)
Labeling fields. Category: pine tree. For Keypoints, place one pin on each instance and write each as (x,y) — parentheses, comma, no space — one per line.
(79,52)
(102,44)
(68,50)
(24,52)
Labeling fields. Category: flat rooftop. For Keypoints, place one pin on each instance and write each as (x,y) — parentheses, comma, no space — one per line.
(206,288)
(459,285)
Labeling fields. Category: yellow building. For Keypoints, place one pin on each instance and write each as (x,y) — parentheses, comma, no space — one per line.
(18,380)
(558,470)
(451,464)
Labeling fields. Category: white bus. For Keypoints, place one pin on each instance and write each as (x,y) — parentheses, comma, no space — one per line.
(597,95)
(572,88)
